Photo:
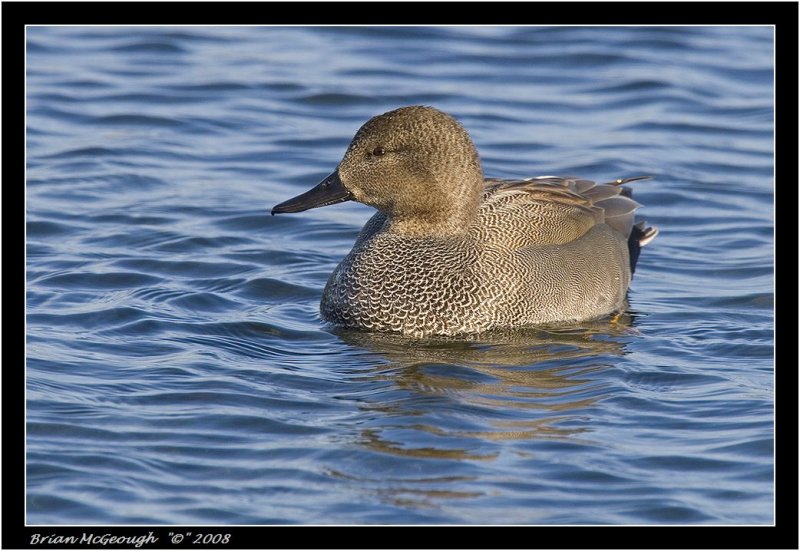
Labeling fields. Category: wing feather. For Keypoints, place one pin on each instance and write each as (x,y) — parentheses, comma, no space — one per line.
(551,210)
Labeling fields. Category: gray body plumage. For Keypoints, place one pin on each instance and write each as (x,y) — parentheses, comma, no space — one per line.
(538,252)
(500,254)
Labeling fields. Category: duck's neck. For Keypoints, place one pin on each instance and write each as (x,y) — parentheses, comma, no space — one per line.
(451,220)
(423,228)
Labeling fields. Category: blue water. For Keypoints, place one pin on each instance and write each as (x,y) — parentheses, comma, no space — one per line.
(177,368)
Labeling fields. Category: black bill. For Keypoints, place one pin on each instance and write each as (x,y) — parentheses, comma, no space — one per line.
(329,192)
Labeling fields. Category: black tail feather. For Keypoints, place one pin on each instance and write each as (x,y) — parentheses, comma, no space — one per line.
(634,248)
(640,236)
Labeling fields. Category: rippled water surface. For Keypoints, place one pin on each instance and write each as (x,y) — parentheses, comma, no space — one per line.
(177,368)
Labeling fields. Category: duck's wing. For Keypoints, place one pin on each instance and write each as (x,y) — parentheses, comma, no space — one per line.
(551,210)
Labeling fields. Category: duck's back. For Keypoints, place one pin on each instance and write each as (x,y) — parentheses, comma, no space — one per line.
(540,250)
(552,211)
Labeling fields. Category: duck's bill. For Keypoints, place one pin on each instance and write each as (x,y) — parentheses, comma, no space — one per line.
(329,192)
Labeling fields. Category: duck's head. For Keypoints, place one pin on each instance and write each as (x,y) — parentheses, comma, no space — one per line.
(415,164)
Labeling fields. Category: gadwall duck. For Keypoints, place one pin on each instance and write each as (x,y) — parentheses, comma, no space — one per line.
(450,253)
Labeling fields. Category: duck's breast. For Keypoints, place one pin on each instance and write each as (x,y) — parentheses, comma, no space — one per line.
(410,285)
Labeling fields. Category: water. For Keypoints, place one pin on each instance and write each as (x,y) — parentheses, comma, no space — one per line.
(178,371)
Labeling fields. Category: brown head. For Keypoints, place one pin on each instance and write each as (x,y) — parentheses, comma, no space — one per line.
(415,164)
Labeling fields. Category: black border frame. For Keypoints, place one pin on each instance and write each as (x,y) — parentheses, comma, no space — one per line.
(783,15)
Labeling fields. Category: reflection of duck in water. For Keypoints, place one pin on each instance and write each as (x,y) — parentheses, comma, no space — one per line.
(525,347)
(517,385)
(450,253)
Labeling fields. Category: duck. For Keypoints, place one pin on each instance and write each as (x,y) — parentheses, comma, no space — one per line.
(450,252)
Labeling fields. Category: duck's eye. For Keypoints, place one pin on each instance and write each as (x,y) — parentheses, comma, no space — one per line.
(378,151)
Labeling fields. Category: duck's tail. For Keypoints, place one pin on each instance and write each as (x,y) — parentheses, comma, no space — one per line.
(640,234)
